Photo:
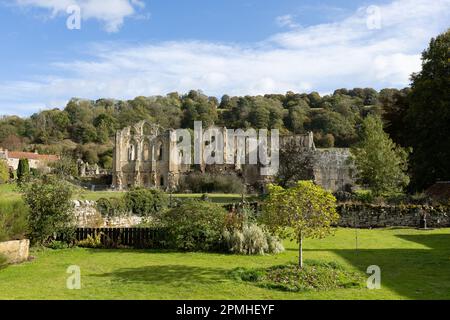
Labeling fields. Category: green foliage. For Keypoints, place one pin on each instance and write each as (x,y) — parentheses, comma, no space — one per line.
(51,208)
(146,202)
(112,207)
(23,170)
(428,117)
(316,276)
(195,225)
(4,172)
(251,239)
(295,165)
(303,211)
(13,221)
(210,183)
(65,168)
(85,122)
(94,242)
(57,245)
(381,164)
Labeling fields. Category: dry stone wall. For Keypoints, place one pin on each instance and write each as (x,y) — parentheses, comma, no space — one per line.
(87,216)
(380,216)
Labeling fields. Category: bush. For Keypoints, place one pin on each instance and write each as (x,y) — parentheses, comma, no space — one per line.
(50,207)
(317,276)
(210,183)
(364,196)
(57,245)
(112,207)
(251,240)
(23,170)
(195,225)
(146,202)
(13,221)
(94,242)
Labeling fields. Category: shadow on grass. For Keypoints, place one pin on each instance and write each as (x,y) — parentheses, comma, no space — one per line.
(166,274)
(412,273)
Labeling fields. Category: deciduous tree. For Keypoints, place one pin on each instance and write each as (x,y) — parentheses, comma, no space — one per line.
(303,211)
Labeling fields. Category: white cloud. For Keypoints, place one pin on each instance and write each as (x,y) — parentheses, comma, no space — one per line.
(321,57)
(111,13)
(287,20)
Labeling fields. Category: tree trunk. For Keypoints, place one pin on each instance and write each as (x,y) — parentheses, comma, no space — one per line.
(300,251)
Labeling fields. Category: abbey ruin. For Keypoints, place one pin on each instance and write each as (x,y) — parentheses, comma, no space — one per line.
(146,155)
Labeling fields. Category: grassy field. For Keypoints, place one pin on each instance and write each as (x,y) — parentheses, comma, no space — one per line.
(414,265)
(9,192)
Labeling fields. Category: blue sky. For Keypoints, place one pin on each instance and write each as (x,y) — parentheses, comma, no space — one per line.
(127,48)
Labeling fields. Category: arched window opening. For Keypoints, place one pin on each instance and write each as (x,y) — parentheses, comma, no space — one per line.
(160,152)
(146,152)
(161,181)
(132,153)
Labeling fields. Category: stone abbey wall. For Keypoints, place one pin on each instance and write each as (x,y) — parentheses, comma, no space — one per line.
(144,156)
(333,169)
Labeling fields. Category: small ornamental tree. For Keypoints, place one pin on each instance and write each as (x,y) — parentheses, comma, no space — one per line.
(23,170)
(303,211)
(50,207)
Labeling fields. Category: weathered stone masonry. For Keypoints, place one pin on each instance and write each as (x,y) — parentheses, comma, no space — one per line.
(380,216)
(142,157)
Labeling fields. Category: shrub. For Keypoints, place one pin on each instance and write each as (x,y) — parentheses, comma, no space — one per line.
(195,225)
(57,245)
(50,207)
(210,183)
(146,202)
(94,242)
(317,276)
(364,196)
(23,170)
(252,239)
(112,207)
(13,221)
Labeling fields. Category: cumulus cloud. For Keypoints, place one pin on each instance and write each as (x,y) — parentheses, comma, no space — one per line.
(322,57)
(111,13)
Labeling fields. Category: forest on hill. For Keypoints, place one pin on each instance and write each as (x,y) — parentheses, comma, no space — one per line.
(85,129)
(417,118)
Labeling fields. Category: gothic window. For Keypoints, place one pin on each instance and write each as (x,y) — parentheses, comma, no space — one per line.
(132,153)
(146,151)
(160,152)
(161,181)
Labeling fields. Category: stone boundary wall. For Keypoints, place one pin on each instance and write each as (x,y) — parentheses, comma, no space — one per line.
(87,216)
(15,251)
(351,216)
(380,216)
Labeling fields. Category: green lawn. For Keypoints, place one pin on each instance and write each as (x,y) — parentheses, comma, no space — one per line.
(414,264)
(9,192)
(215,197)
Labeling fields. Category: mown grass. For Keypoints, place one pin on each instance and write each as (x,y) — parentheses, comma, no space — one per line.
(414,265)
(10,193)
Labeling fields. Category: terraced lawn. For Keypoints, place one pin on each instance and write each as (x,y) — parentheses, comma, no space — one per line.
(414,264)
